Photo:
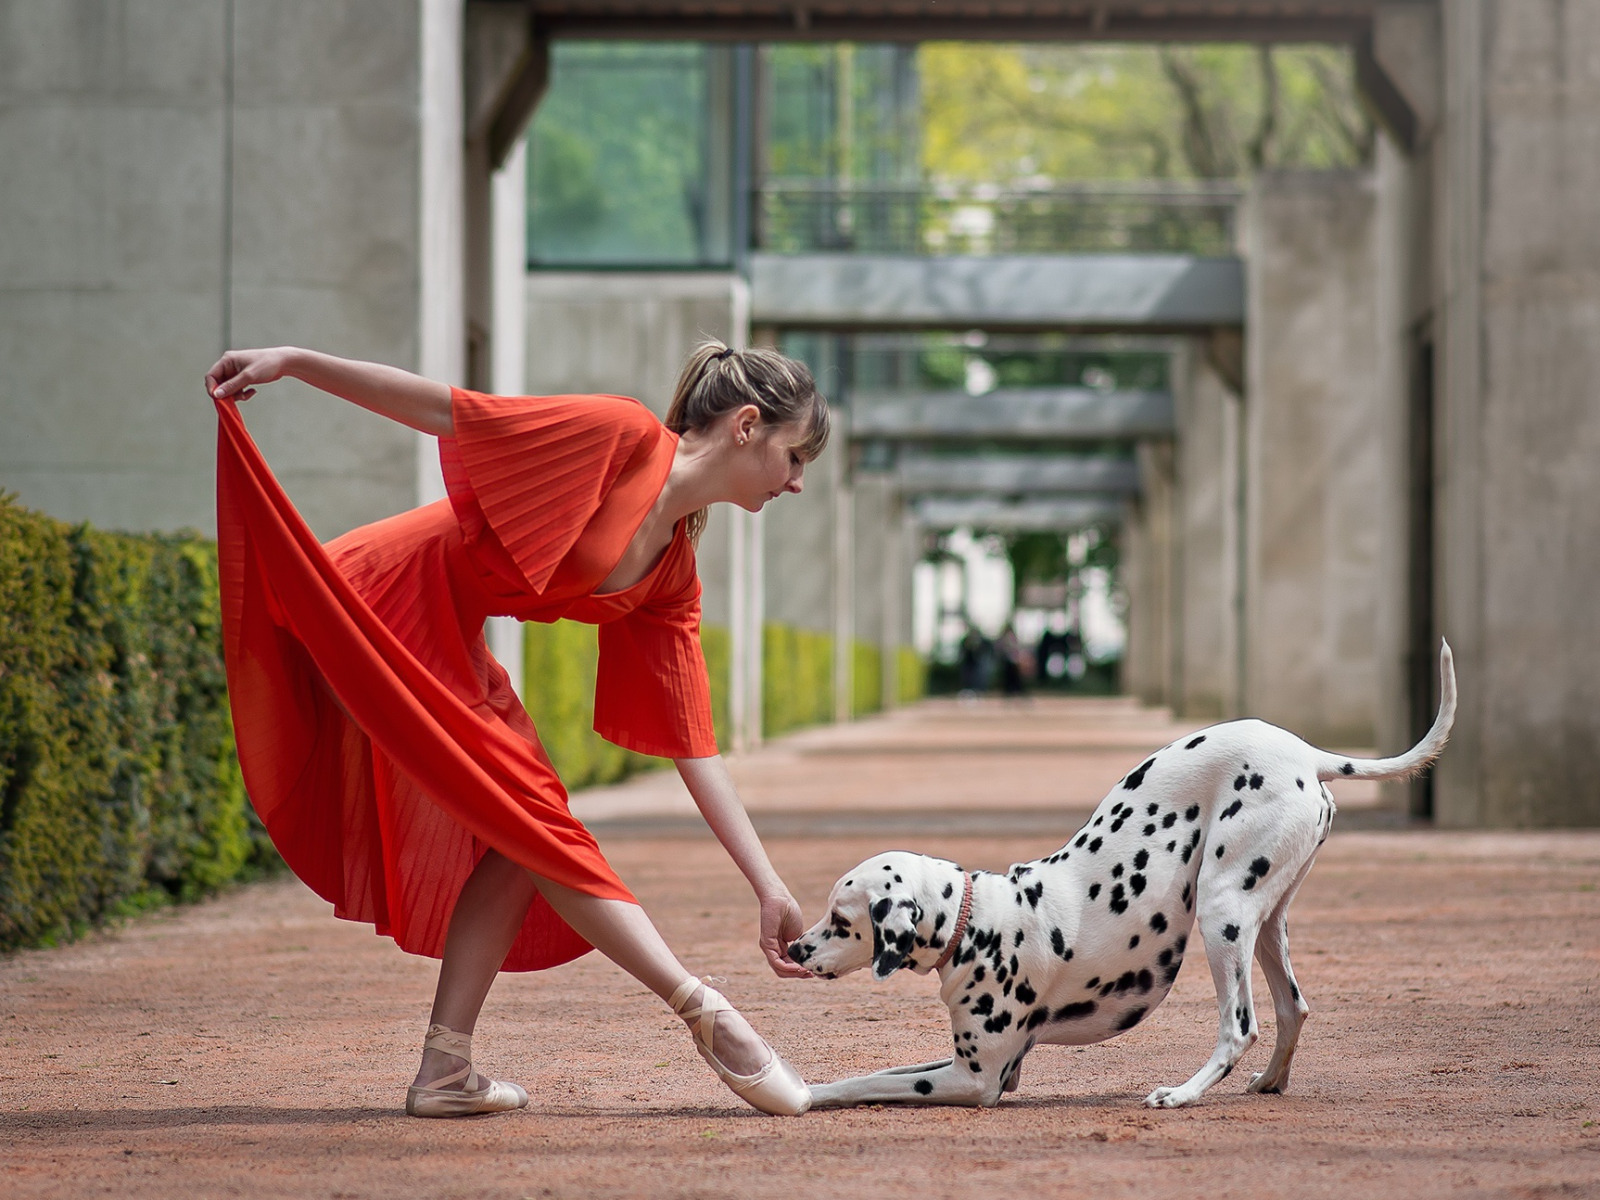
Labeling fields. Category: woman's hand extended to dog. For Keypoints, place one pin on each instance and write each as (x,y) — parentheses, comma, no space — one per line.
(781,923)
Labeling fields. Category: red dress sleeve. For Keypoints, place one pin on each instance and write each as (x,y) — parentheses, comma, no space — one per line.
(526,474)
(651,692)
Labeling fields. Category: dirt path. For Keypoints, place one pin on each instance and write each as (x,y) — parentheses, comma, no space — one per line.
(254,1046)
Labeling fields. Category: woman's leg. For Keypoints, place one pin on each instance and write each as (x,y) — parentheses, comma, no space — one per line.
(488,915)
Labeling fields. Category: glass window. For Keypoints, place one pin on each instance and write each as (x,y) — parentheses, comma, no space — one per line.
(628,155)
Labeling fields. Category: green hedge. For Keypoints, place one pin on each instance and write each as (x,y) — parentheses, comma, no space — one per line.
(119,787)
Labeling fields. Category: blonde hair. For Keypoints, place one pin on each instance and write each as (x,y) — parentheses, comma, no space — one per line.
(718,379)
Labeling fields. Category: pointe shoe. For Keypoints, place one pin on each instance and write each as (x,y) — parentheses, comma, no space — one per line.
(475,1095)
(776,1088)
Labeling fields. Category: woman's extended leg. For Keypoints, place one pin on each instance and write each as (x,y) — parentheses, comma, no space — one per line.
(488,915)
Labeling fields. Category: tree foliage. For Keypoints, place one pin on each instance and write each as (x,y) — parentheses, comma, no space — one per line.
(996,113)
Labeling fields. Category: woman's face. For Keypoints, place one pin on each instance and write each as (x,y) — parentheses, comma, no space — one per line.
(768,464)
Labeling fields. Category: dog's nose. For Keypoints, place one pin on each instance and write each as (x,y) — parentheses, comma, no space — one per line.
(799,952)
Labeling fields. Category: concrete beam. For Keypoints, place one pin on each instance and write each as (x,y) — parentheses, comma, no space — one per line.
(1034,414)
(507,68)
(1058,514)
(1106,293)
(925,20)
(1016,474)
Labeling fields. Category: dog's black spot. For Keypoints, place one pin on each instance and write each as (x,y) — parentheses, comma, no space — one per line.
(1094,891)
(1244,1022)
(1131,1018)
(1165,957)
(1141,860)
(1220,849)
(1094,846)
(1301,784)
(949,890)
(1014,964)
(1149,829)
(1075,1012)
(882,908)
(1347,769)
(1092,984)
(999,1022)
(1108,987)
(1152,810)
(1168,821)
(1026,994)
(1187,898)
(1232,810)
(985,1004)
(1006,991)
(1100,820)
(1116,871)
(1191,812)
(1133,941)
(938,922)
(1017,939)
(1194,840)
(1033,895)
(1192,744)
(887,867)
(1037,1018)
(1255,783)
(1116,826)
(1126,982)
(1260,867)
(1171,846)
(1294,990)
(1146,980)
(1239,783)
(1136,884)
(1159,922)
(1119,900)
(976,1066)
(1181,944)
(1082,838)
(978,973)
(1135,778)
(1231,932)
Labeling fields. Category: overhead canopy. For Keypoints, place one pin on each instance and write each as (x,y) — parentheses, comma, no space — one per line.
(1033,414)
(1016,475)
(1103,293)
(922,20)
(1057,514)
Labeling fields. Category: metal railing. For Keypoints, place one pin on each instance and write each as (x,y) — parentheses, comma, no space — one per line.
(799,216)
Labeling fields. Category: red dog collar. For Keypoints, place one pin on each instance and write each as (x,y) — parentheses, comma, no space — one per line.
(961,922)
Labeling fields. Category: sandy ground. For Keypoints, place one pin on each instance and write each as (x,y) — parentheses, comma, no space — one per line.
(255,1046)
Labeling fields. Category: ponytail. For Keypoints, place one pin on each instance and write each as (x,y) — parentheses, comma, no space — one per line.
(718,379)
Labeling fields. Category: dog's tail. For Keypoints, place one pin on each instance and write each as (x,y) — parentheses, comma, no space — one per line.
(1331,766)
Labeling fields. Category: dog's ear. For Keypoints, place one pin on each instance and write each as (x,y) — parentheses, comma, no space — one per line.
(894,934)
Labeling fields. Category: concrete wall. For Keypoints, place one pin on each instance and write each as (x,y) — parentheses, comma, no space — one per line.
(1316,494)
(1519,429)
(184,175)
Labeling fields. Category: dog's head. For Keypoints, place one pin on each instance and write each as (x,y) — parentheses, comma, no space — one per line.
(882,912)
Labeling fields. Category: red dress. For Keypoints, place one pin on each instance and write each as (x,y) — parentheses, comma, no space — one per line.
(382,745)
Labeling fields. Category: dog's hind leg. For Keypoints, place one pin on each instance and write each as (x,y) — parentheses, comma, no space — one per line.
(1288,1003)
(1230,938)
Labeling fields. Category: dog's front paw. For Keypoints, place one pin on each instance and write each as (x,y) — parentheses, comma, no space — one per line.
(1167,1097)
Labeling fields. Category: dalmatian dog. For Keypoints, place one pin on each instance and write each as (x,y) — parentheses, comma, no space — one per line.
(1082,945)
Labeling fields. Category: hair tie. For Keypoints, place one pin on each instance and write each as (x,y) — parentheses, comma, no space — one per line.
(723,353)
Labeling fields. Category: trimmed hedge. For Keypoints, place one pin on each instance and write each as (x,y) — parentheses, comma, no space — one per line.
(119,786)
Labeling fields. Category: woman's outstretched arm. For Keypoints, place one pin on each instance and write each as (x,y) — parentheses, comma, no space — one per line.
(718,800)
(388,391)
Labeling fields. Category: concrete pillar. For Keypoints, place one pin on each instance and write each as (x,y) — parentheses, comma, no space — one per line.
(1316,494)
(1519,431)
(1207,517)
(1148,550)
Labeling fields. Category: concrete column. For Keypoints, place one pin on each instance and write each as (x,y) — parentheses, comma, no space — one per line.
(1519,498)
(1147,556)
(1316,494)
(1205,683)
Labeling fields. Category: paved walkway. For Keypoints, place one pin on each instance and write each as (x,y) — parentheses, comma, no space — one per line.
(254,1046)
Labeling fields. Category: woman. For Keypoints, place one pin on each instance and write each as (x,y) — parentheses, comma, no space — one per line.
(384,748)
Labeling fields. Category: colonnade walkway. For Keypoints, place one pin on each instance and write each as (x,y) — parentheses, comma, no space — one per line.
(254,1046)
